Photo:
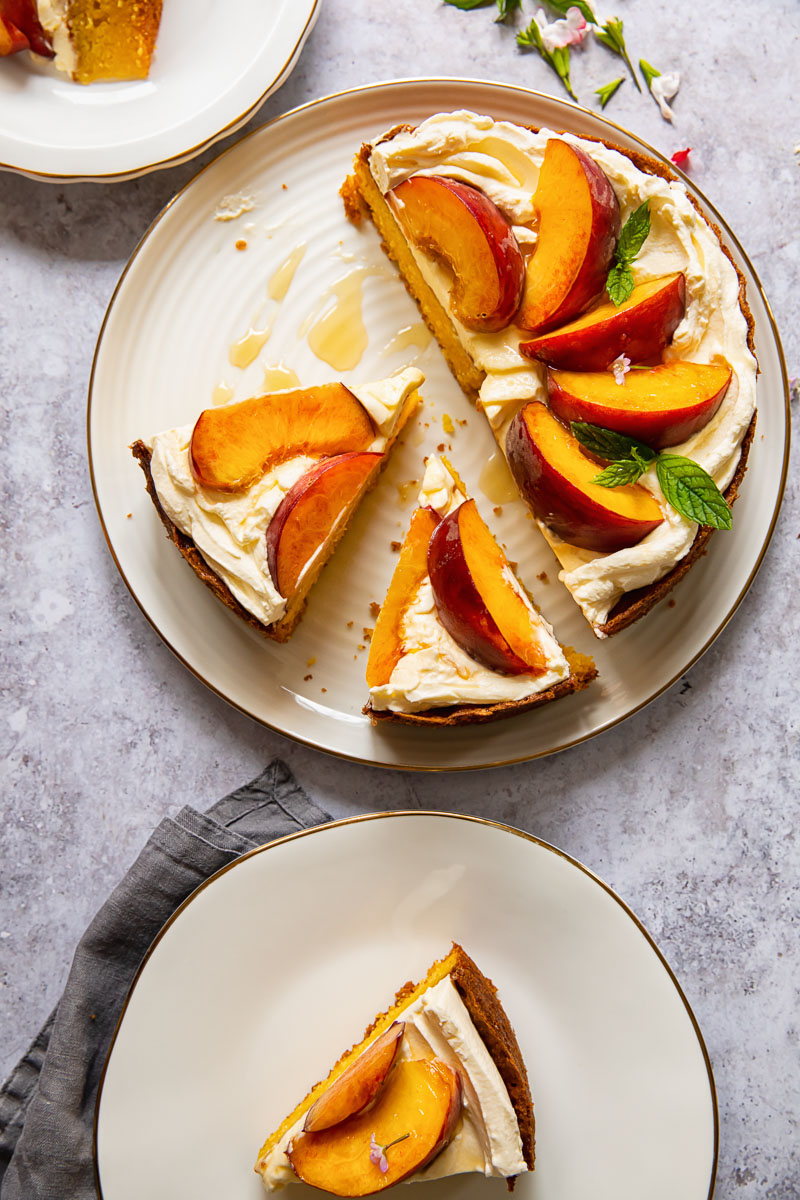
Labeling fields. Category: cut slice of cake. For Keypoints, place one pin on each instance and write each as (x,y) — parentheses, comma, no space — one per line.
(436,1087)
(257,494)
(89,40)
(507,237)
(457,640)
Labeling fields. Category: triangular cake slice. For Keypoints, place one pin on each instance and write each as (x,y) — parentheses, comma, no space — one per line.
(257,494)
(457,640)
(437,1086)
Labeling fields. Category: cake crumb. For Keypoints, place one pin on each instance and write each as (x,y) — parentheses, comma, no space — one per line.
(513,564)
(447,423)
(361,647)
(323,690)
(129,516)
(396,546)
(374,608)
(285,187)
(241,244)
(367,633)
(441,447)
(307,677)
(498,510)
(462,421)
(542,577)
(349,624)
(310,662)
(671,602)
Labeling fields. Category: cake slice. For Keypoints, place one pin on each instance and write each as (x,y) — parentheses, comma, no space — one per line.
(256,495)
(457,640)
(505,237)
(89,40)
(437,1086)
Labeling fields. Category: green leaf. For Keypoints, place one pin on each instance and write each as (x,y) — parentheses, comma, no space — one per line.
(692,492)
(531,39)
(627,470)
(607,91)
(619,283)
(561,6)
(608,444)
(634,233)
(650,73)
(506,7)
(465,5)
(611,35)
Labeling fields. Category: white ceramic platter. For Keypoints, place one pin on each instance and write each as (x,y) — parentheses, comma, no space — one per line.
(276,966)
(188,294)
(215,64)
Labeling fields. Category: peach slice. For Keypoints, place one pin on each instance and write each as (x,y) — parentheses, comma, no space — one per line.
(310,511)
(458,224)
(386,647)
(419,1103)
(234,445)
(21,29)
(579,225)
(641,327)
(661,406)
(555,477)
(477,599)
(359,1084)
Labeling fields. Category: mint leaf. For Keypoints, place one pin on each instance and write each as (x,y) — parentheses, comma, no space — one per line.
(607,443)
(619,283)
(692,492)
(650,73)
(531,39)
(506,7)
(634,233)
(610,35)
(465,5)
(607,91)
(627,470)
(562,6)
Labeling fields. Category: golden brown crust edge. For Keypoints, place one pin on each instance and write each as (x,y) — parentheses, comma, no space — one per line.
(635,604)
(582,672)
(279,631)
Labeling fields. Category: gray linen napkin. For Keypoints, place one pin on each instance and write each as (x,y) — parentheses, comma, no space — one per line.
(47,1103)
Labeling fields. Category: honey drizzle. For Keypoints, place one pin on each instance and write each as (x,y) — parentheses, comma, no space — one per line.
(496,481)
(281,280)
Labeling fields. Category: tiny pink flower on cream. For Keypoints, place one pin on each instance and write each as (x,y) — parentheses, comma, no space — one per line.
(621,366)
(681,156)
(569,31)
(664,87)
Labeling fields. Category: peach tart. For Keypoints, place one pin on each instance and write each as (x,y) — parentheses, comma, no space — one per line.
(436,1086)
(257,494)
(506,236)
(89,40)
(457,640)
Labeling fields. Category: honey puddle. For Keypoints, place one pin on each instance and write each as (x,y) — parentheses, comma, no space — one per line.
(278,376)
(247,349)
(496,481)
(281,280)
(222,393)
(412,335)
(339,336)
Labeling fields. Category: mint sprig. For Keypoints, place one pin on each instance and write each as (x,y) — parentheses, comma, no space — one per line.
(607,91)
(686,486)
(635,232)
(558,59)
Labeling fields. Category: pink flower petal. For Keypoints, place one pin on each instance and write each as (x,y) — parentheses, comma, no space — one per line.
(621,366)
(680,156)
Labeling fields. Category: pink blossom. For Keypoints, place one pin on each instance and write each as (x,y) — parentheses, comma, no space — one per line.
(377,1155)
(621,366)
(680,156)
(664,87)
(569,31)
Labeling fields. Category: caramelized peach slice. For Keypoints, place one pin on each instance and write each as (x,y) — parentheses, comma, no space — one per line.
(661,406)
(416,1109)
(386,647)
(236,444)
(640,328)
(358,1085)
(21,29)
(477,599)
(555,477)
(458,224)
(310,511)
(578,233)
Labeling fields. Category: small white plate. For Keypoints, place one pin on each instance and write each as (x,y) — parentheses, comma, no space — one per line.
(188,293)
(274,967)
(214,66)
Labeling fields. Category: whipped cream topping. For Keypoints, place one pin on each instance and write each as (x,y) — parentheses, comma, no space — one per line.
(53,17)
(504,160)
(229,528)
(434,671)
(487,1136)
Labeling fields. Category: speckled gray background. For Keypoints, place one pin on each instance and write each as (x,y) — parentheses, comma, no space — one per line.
(688,809)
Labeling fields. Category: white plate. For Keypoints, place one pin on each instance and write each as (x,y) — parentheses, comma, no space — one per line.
(214,66)
(273,969)
(187,293)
